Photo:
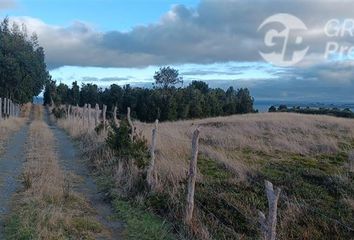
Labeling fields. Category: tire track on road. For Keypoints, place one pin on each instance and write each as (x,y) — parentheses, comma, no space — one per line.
(11,163)
(70,161)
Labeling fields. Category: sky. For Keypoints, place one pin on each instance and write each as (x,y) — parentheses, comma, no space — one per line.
(222,42)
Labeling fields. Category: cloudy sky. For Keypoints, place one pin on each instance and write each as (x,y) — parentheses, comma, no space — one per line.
(218,41)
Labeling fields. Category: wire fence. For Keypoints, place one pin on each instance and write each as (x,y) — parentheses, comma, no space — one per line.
(250,220)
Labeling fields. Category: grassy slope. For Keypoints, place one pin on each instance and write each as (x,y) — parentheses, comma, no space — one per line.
(306,156)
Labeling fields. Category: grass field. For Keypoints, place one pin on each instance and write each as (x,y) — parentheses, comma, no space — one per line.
(306,156)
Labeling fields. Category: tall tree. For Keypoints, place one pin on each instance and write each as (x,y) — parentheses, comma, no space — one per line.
(22,67)
(167,77)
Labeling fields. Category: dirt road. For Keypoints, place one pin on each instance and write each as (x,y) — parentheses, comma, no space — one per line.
(11,163)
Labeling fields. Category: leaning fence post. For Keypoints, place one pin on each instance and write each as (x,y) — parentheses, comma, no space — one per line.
(130,123)
(269,225)
(192,177)
(151,173)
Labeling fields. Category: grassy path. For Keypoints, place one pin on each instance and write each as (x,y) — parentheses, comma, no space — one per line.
(57,198)
(71,162)
(10,169)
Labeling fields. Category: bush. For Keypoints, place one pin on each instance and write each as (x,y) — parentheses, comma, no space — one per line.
(127,149)
(272,109)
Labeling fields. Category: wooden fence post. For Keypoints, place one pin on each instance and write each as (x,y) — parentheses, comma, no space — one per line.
(97,114)
(151,173)
(192,178)
(130,124)
(104,116)
(269,225)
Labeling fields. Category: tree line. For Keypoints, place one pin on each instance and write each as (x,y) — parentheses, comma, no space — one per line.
(345,113)
(23,70)
(164,101)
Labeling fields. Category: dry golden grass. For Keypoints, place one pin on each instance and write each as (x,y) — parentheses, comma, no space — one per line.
(26,110)
(11,125)
(223,138)
(48,208)
(76,128)
(243,144)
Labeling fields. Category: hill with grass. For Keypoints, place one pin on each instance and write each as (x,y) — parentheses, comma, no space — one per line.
(309,157)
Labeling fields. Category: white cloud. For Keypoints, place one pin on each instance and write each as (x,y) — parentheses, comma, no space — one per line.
(215,31)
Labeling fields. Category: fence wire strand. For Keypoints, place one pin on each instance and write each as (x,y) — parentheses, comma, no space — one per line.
(250,220)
